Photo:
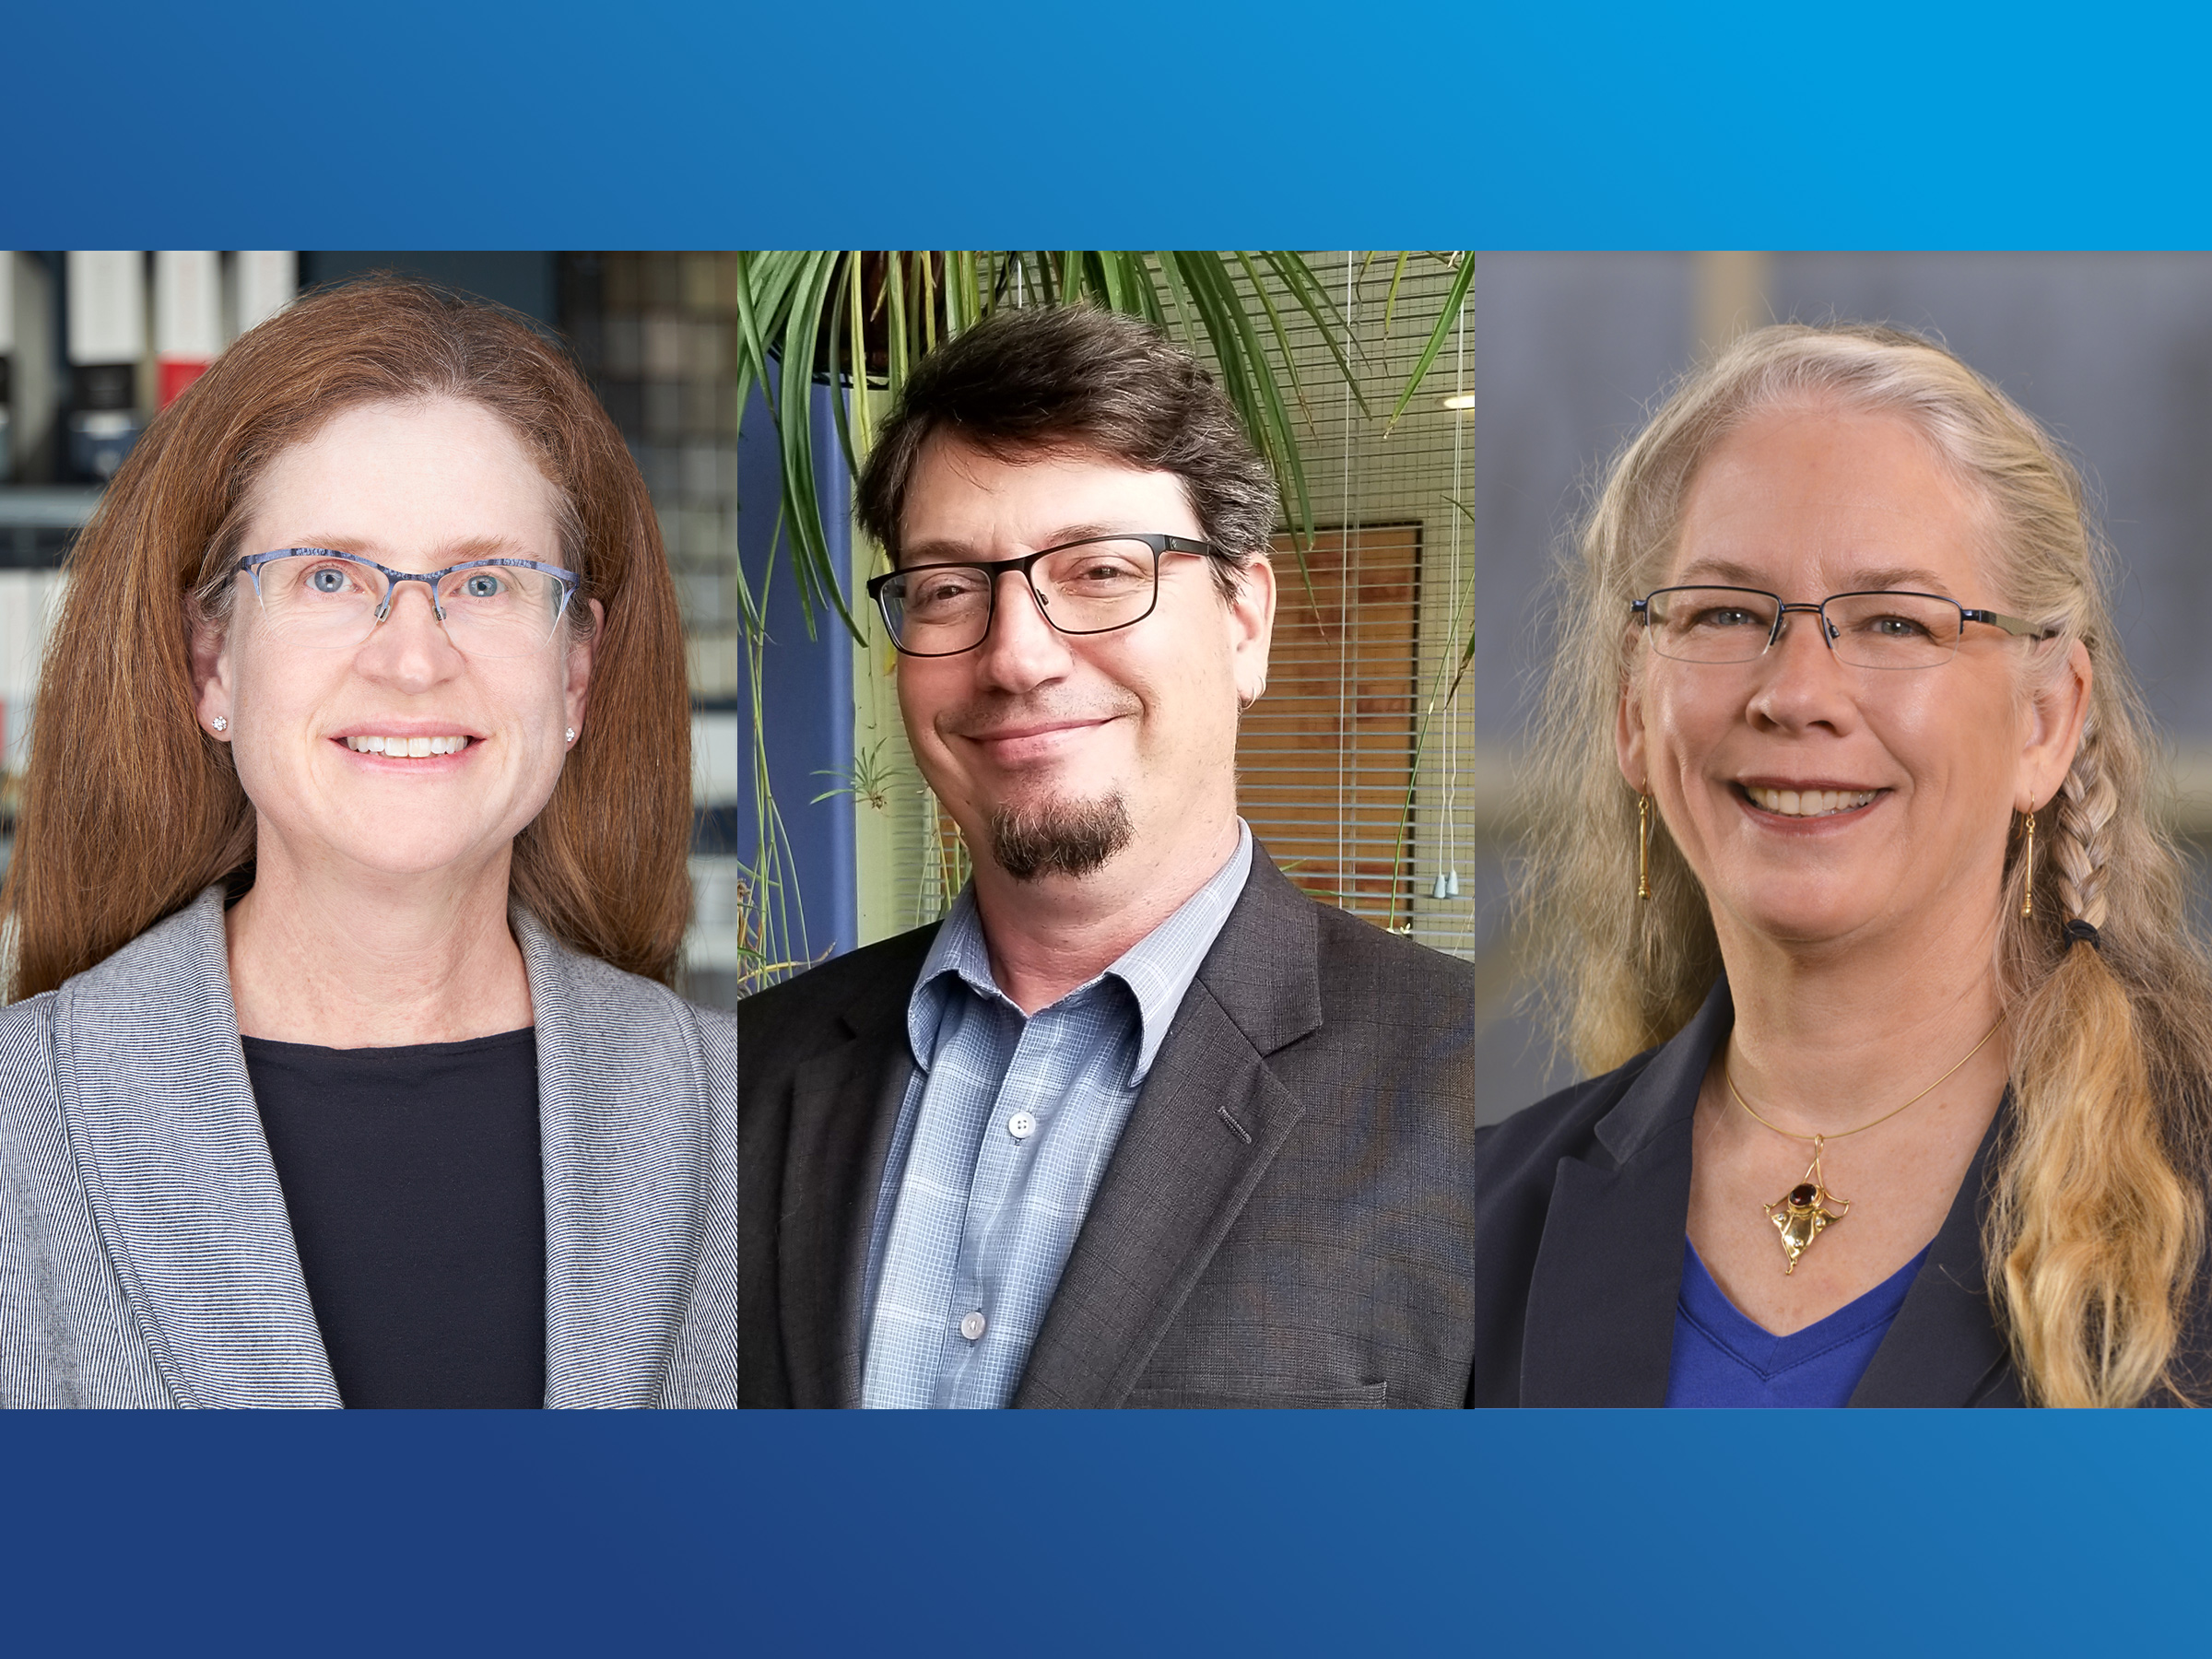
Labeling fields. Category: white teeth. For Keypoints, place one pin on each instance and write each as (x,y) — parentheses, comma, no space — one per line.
(407,746)
(1810,803)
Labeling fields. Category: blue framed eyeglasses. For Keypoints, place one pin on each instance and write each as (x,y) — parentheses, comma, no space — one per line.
(323,599)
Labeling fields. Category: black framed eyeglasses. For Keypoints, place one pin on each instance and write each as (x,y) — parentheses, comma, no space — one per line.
(1091,587)
(1881,630)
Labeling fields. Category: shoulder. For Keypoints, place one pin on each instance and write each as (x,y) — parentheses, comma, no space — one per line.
(863,987)
(611,1015)
(1403,1007)
(1517,1165)
(1357,952)
(27,1049)
(1526,1146)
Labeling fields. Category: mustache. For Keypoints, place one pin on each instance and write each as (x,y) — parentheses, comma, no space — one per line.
(988,716)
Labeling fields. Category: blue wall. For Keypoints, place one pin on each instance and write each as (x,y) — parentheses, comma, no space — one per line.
(806,691)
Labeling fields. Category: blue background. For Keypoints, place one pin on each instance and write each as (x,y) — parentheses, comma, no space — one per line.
(662,123)
(453,125)
(1617,1533)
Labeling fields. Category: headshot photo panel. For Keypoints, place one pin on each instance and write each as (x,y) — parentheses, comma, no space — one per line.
(370,776)
(1150,1082)
(1845,1022)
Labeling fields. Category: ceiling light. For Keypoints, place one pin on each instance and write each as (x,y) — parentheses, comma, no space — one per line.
(1459,400)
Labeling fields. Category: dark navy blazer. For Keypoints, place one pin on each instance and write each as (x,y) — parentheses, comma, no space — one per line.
(1582,1205)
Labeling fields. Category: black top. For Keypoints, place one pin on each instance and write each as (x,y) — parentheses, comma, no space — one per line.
(417,1196)
(1582,1205)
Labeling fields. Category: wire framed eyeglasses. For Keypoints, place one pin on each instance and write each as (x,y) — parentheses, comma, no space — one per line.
(1091,587)
(1885,628)
(323,599)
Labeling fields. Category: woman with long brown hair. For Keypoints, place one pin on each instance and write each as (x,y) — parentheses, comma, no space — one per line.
(340,1064)
(1847,886)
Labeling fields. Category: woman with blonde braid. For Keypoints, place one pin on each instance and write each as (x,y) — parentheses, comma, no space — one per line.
(1847,886)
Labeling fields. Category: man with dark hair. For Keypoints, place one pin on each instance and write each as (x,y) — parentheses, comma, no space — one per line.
(1138,1124)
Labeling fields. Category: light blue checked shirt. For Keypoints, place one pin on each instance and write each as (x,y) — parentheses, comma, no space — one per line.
(1001,1140)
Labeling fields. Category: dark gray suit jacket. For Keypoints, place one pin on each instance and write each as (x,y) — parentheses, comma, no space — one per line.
(1287,1219)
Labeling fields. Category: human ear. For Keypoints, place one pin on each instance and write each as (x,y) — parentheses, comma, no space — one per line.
(1251,625)
(2051,725)
(211,670)
(580,667)
(1628,737)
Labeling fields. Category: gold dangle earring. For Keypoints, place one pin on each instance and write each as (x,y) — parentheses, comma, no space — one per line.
(1644,846)
(2027,864)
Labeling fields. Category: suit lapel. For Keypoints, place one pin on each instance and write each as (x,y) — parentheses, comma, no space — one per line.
(1208,1122)
(163,1126)
(1942,1348)
(1601,1303)
(844,1108)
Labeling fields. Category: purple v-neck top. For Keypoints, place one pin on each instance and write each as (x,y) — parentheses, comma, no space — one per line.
(1723,1358)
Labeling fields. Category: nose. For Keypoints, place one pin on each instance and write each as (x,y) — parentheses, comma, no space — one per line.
(410,647)
(1022,650)
(1801,683)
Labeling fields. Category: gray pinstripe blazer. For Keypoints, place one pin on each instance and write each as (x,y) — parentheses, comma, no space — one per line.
(146,1259)
(1286,1220)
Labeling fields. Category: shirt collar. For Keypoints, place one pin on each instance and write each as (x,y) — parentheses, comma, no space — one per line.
(1158,969)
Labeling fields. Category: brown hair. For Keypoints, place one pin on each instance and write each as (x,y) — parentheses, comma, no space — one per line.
(2097,1210)
(1071,377)
(130,809)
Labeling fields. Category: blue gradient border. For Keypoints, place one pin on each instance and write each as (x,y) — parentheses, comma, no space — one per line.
(1600,1532)
(661,125)
(670,124)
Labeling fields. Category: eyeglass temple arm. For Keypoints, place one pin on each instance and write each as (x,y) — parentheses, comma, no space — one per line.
(2011,625)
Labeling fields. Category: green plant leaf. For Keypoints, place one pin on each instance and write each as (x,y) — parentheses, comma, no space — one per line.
(1446,320)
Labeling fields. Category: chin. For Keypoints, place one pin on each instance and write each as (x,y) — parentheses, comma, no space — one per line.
(1810,922)
(412,848)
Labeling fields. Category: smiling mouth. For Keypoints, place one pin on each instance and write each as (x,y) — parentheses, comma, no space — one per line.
(1039,741)
(1809,803)
(409,747)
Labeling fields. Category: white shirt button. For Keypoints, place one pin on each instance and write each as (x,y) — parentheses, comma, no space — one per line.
(971,1326)
(1021,1126)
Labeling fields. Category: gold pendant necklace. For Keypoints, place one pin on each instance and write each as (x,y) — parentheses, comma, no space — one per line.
(1801,1214)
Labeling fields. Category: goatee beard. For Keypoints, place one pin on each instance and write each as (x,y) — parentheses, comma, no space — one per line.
(1059,838)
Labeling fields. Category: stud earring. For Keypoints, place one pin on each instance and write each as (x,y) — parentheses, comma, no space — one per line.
(1644,846)
(571,733)
(2028,863)
(220,723)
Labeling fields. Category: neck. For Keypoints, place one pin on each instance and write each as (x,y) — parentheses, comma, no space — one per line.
(1827,1038)
(356,960)
(1049,935)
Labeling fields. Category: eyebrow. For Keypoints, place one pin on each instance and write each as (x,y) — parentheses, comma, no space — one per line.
(1866,579)
(953,552)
